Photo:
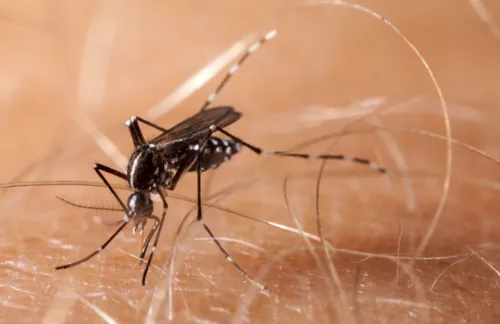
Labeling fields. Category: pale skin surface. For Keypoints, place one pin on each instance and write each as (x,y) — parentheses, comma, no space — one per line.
(132,56)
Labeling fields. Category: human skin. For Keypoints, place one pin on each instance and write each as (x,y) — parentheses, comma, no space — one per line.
(66,62)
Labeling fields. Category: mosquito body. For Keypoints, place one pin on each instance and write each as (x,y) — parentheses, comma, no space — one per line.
(156,166)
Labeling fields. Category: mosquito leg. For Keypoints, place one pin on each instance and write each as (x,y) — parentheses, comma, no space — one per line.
(224,252)
(135,132)
(149,237)
(349,158)
(109,170)
(66,266)
(235,67)
(188,164)
(99,168)
(158,232)
(180,171)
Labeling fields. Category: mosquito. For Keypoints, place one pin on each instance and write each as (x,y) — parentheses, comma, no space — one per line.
(156,166)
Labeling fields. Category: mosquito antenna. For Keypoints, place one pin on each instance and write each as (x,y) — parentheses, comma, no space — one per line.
(85,206)
(99,168)
(235,67)
(82,206)
(122,187)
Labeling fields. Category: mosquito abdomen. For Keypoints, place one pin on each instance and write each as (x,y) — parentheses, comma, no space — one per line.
(215,152)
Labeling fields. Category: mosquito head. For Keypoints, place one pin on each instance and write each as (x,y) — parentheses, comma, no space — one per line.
(148,168)
(140,205)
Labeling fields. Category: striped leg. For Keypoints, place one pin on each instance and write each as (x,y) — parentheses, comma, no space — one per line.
(149,237)
(99,168)
(66,266)
(306,156)
(235,67)
(158,232)
(212,236)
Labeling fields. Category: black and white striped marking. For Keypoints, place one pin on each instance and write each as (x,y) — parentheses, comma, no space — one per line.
(235,67)
(328,157)
(215,152)
(158,165)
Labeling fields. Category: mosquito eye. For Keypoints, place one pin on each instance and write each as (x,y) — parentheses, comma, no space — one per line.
(140,204)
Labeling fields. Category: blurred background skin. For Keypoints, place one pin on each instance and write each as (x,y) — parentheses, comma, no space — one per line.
(64,62)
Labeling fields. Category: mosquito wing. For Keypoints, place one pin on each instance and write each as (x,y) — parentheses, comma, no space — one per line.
(195,128)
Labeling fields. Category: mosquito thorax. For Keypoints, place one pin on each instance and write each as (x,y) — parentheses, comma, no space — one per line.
(140,205)
(148,168)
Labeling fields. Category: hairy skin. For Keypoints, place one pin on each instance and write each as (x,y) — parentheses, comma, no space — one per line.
(108,61)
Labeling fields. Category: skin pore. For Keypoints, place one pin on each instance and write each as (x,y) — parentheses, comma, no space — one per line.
(73,69)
